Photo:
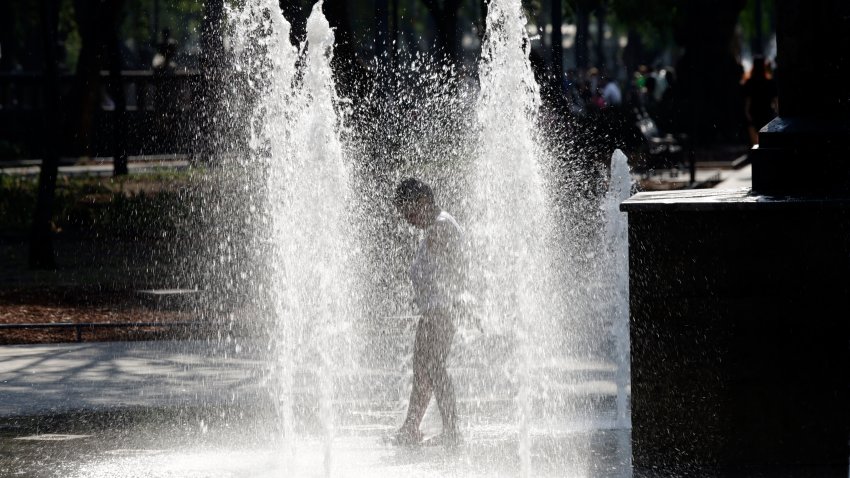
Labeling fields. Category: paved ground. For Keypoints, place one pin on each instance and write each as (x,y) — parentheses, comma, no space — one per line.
(65,377)
(131,409)
(737,179)
(37,379)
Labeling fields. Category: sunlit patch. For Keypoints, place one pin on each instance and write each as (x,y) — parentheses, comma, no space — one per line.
(52,437)
(133,452)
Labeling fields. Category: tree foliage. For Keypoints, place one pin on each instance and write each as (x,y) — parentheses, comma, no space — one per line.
(748,19)
(21,40)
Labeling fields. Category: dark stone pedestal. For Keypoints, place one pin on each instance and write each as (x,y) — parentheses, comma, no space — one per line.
(783,165)
(740,332)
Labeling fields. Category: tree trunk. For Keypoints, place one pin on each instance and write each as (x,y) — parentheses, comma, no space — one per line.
(445,18)
(155,24)
(446,41)
(709,74)
(601,61)
(85,96)
(207,97)
(557,39)
(582,52)
(41,253)
(350,73)
(393,40)
(633,52)
(8,42)
(116,88)
(382,14)
(757,44)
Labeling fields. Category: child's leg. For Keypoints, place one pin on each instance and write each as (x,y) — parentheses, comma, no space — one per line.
(441,381)
(420,394)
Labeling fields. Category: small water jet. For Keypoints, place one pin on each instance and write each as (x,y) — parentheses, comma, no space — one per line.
(617,241)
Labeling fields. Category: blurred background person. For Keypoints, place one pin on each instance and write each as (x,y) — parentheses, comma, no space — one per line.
(760,98)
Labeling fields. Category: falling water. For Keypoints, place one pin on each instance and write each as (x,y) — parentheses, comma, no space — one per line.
(264,33)
(616,234)
(513,227)
(295,137)
(305,248)
(314,286)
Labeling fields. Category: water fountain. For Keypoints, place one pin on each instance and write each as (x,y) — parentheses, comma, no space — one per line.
(322,282)
(617,238)
(308,189)
(504,196)
(513,222)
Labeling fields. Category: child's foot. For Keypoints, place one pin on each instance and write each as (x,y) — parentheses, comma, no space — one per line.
(406,437)
(448,440)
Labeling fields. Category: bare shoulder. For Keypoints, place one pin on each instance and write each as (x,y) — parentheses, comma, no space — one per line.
(445,230)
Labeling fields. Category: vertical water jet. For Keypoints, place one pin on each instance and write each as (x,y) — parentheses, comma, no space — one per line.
(617,242)
(294,138)
(513,227)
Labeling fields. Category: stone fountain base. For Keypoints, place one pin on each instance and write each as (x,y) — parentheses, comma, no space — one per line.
(739,330)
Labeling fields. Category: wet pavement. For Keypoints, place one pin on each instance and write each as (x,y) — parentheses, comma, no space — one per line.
(158,409)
